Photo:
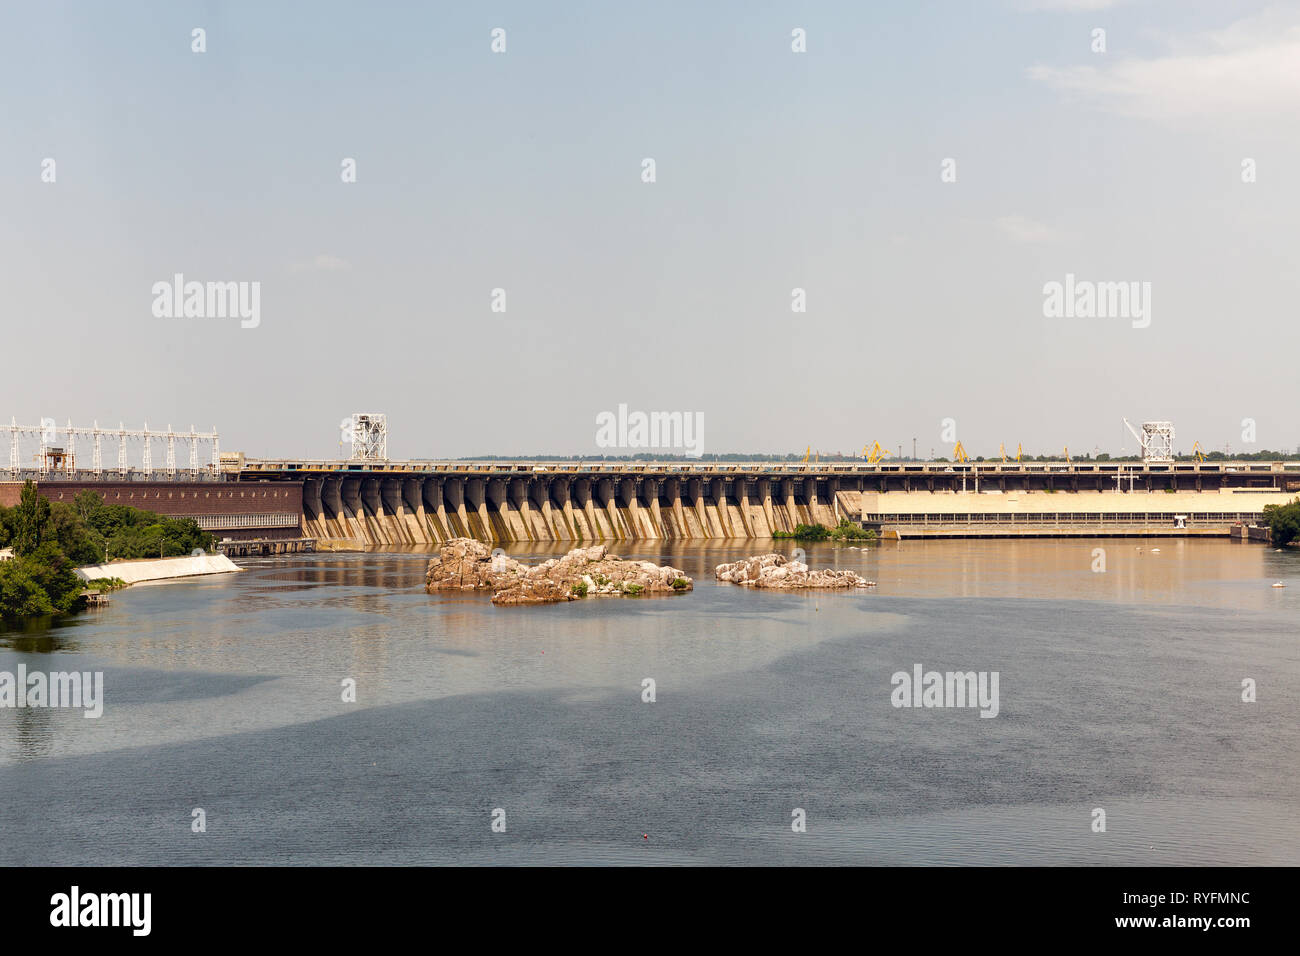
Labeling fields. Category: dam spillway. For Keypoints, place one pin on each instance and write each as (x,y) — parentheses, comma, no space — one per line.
(433,509)
(502,502)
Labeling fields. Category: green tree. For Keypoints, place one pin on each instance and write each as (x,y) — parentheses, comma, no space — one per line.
(1284,522)
(20,595)
(87,505)
(30,517)
(77,539)
(53,572)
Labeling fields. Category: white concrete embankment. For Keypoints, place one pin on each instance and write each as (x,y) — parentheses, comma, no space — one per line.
(159,569)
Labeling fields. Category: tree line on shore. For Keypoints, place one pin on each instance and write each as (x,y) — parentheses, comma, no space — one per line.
(49,540)
(1284,522)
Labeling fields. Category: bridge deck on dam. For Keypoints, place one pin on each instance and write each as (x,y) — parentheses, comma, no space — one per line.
(267,467)
(418,502)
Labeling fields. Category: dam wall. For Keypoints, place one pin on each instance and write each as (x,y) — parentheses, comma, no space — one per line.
(429,510)
(234,510)
(501,507)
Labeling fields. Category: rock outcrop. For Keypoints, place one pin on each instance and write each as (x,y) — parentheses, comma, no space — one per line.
(466,564)
(775,571)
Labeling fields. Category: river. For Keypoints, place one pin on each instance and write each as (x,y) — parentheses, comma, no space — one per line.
(1119,690)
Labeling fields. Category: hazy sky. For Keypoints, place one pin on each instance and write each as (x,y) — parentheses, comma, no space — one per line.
(775,170)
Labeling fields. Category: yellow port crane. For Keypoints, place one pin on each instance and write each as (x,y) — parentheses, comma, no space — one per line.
(1198,452)
(875,453)
(1002,452)
(959,453)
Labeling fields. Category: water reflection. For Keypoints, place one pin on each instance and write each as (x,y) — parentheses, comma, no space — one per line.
(1122,683)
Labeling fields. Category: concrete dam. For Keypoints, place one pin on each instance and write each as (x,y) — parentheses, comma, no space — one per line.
(429,510)
(420,503)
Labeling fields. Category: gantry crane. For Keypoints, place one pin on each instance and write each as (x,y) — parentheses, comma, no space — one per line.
(875,453)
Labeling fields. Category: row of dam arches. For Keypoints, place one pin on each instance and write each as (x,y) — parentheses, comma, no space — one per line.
(433,509)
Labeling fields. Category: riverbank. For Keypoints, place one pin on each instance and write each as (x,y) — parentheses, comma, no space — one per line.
(159,569)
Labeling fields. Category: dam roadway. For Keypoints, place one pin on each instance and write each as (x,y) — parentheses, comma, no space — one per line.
(508,501)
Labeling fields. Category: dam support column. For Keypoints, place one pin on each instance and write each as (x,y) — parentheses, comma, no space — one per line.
(498,508)
(650,495)
(743,487)
(476,499)
(393,519)
(719,489)
(453,490)
(354,511)
(312,508)
(672,490)
(561,491)
(791,507)
(695,492)
(606,495)
(435,510)
(539,490)
(584,511)
(765,495)
(517,492)
(627,497)
(413,506)
(331,496)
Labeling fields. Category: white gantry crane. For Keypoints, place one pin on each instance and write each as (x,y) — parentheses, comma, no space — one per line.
(1156,440)
(369,433)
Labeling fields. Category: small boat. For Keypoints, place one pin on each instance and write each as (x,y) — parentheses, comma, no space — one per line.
(1278,584)
(1155,550)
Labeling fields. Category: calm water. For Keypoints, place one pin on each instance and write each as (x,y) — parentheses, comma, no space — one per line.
(1119,690)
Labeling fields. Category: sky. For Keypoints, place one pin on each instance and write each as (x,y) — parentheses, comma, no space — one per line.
(829,170)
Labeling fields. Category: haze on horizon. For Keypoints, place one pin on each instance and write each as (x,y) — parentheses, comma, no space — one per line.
(775,170)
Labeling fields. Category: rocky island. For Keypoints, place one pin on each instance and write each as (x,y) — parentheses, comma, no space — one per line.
(775,571)
(466,564)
